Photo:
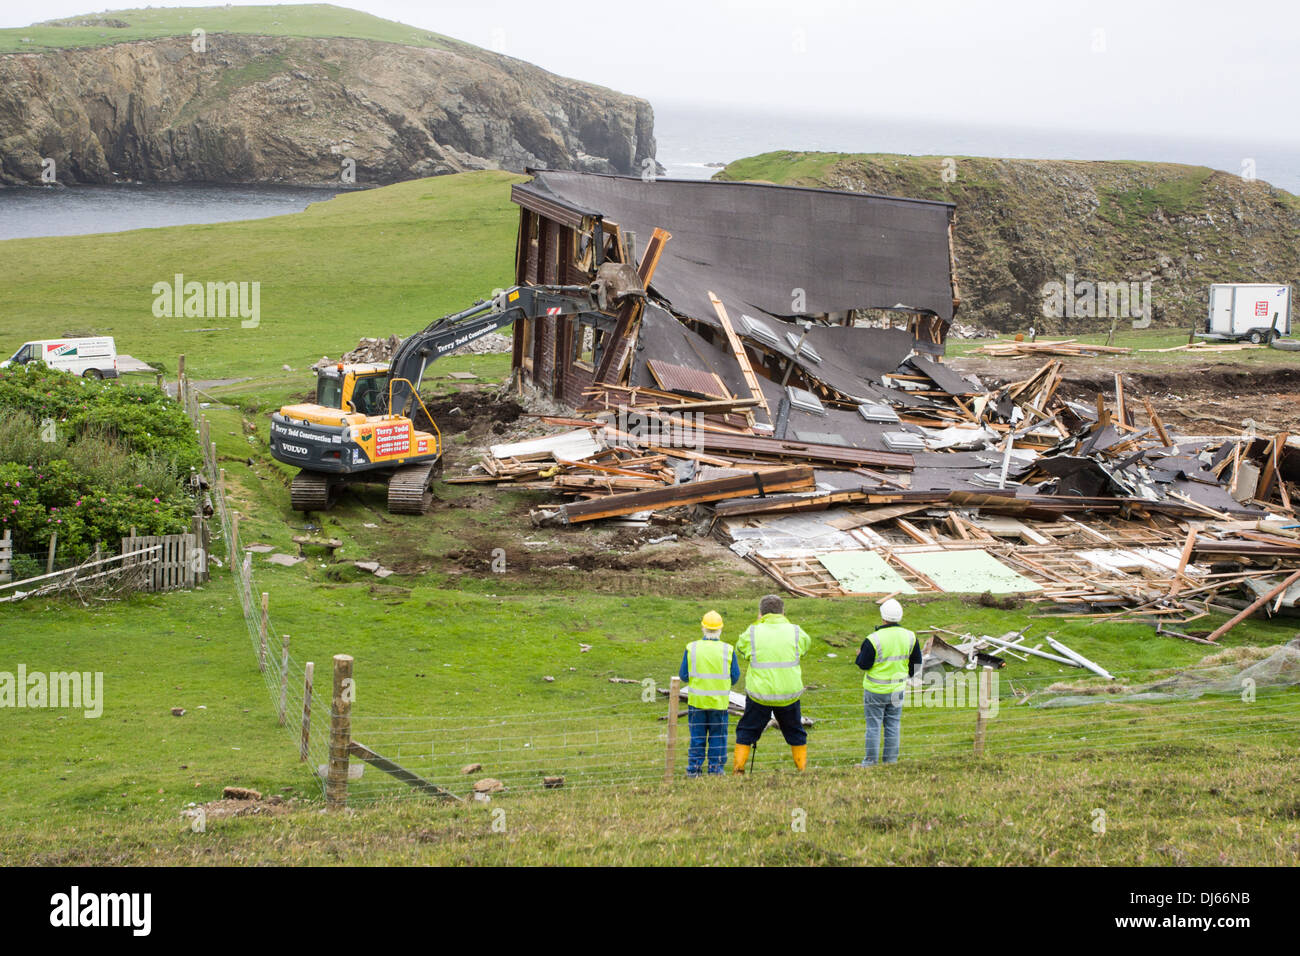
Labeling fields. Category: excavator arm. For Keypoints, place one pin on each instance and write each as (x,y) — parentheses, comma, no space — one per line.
(452,332)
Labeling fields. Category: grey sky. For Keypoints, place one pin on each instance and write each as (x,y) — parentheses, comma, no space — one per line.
(1203,69)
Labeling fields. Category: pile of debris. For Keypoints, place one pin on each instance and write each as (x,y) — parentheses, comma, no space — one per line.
(1064,347)
(1008,490)
(959,331)
(368,351)
(378,351)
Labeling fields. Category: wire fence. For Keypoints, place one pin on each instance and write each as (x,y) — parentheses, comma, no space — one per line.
(301,711)
(1239,695)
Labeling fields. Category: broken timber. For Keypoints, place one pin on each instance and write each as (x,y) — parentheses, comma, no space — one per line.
(615,356)
(796,478)
(738,349)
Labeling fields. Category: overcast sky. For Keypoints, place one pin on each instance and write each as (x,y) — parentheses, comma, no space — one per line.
(1198,69)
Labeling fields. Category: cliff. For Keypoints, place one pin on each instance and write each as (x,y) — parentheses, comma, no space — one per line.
(262,109)
(1022,224)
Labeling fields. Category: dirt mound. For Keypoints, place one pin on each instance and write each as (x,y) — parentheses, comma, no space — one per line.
(481,412)
(1226,381)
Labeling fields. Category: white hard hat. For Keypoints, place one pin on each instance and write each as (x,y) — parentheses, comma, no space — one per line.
(891,612)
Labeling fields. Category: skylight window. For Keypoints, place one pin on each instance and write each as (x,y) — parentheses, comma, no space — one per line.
(759,329)
(805,400)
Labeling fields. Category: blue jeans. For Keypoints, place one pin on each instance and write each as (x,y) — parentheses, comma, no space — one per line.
(708,729)
(884,709)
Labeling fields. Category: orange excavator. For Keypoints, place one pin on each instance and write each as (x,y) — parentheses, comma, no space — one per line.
(360,428)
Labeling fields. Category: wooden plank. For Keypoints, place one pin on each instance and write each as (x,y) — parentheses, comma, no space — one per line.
(796,478)
(738,350)
(1157,423)
(1254,606)
(1270,467)
(1179,577)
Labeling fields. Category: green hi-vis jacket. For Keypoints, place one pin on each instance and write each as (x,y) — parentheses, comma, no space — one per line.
(773,647)
(709,666)
(893,648)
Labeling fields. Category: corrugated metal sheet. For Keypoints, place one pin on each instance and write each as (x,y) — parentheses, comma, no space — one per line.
(688,381)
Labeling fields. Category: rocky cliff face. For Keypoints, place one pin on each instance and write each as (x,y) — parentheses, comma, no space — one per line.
(271,109)
(1023,224)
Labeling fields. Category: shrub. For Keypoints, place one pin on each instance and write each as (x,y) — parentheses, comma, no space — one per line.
(120,458)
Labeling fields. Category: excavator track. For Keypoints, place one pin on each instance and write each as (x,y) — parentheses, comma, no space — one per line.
(311,491)
(408,490)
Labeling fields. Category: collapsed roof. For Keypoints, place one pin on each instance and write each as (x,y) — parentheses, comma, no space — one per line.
(757,245)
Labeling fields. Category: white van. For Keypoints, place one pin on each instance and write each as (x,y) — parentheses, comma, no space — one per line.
(90,358)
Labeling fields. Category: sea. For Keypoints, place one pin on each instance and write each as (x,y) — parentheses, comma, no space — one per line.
(53,210)
(695,141)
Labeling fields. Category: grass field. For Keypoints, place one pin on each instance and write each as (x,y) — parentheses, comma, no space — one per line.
(451,668)
(290,20)
(450,673)
(364,263)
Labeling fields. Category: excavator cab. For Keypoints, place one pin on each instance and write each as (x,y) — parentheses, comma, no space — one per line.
(361,389)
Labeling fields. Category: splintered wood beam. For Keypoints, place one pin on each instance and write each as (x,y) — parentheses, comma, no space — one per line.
(614,358)
(1270,467)
(1179,576)
(1157,423)
(1121,410)
(738,349)
(1103,414)
(796,478)
(1254,606)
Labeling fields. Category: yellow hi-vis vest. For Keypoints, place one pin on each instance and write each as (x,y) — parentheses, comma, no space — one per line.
(773,647)
(893,649)
(708,664)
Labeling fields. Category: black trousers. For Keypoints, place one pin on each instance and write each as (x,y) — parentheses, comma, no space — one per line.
(788,717)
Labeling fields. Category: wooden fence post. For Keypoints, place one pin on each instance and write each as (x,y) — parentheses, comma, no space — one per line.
(674,695)
(49,561)
(261,632)
(981,711)
(6,558)
(336,781)
(308,673)
(198,568)
(284,679)
(234,539)
(180,380)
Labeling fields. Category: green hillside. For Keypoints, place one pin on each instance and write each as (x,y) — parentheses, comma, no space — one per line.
(372,263)
(297,20)
(1025,222)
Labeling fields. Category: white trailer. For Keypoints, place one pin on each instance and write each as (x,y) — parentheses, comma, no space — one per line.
(1253,311)
(88,357)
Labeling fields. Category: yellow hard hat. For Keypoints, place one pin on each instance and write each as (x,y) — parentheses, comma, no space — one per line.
(712,620)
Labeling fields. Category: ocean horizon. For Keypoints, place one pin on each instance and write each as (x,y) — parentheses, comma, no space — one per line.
(693,139)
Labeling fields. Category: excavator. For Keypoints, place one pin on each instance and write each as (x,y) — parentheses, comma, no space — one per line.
(360,427)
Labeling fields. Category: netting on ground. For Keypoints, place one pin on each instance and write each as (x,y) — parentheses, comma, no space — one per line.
(1239,670)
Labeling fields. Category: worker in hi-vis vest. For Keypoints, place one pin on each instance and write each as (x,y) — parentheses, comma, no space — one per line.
(709,668)
(890,655)
(773,682)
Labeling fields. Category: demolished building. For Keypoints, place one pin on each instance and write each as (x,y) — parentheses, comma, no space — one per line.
(774,354)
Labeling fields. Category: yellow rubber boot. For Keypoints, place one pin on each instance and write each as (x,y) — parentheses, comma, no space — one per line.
(800,756)
(742,757)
